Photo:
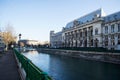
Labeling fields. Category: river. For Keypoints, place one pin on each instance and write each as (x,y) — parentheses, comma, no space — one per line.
(68,68)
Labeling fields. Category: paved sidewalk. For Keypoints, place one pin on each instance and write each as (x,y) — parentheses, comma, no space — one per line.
(8,67)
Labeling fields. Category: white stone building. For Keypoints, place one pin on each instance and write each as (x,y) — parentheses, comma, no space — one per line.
(92,30)
(2,44)
(111,31)
(85,31)
(55,39)
(26,42)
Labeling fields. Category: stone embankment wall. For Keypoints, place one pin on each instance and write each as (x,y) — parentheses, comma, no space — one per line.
(98,56)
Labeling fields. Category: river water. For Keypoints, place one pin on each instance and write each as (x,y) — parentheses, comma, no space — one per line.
(68,68)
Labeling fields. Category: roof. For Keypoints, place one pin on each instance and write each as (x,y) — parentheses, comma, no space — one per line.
(25,40)
(58,33)
(87,17)
(112,17)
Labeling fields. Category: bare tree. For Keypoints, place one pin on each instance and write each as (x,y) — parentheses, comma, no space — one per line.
(22,44)
(8,35)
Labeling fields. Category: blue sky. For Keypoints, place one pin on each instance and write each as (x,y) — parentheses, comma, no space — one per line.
(35,18)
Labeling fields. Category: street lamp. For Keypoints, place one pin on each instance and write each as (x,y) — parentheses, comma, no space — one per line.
(19,40)
(20,36)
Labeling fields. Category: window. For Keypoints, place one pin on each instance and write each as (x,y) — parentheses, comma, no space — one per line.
(76,23)
(81,43)
(85,32)
(106,43)
(91,42)
(106,29)
(75,34)
(112,28)
(81,34)
(112,42)
(91,32)
(119,27)
(118,36)
(106,40)
(106,37)
(112,36)
(96,31)
(118,41)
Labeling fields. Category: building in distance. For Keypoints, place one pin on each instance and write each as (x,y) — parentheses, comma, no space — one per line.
(25,43)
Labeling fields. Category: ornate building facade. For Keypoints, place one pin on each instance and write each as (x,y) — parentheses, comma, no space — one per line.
(111,31)
(93,30)
(84,31)
(55,39)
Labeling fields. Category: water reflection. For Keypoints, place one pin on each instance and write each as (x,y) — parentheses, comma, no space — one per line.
(39,60)
(67,68)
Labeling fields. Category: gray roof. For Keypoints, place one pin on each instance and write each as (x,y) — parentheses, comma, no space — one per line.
(87,17)
(57,34)
(112,17)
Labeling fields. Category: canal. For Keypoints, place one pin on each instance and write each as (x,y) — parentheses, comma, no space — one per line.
(68,68)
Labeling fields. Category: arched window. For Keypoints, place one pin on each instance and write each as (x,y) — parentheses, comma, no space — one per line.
(106,29)
(96,31)
(112,28)
(119,27)
(91,42)
(118,38)
(96,42)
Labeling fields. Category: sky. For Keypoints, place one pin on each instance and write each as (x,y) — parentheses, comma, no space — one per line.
(34,19)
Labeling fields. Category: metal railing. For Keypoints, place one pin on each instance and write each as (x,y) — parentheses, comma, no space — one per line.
(32,71)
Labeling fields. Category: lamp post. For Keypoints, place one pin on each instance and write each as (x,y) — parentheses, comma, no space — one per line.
(19,40)
(20,36)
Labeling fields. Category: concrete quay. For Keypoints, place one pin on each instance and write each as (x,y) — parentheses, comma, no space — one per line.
(97,56)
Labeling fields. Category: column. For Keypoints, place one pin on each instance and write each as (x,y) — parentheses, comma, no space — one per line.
(78,38)
(87,37)
(116,40)
(82,38)
(109,41)
(73,38)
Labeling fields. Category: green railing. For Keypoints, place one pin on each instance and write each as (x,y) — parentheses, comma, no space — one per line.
(32,71)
